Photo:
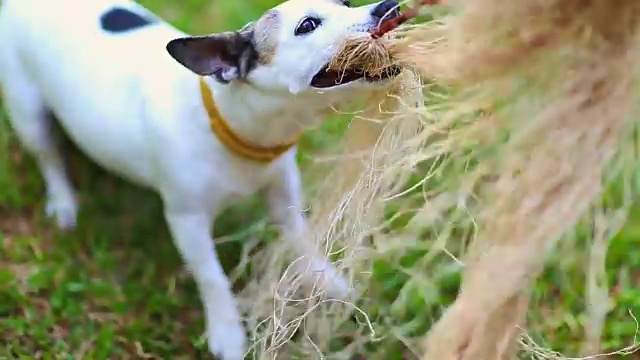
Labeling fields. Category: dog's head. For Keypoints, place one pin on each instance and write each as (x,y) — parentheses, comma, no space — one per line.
(288,48)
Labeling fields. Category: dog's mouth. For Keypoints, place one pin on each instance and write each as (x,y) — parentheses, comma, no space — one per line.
(327,78)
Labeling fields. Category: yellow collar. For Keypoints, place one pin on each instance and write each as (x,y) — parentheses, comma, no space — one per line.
(230,139)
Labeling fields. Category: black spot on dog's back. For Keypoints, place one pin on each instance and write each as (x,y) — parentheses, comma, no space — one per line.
(118,20)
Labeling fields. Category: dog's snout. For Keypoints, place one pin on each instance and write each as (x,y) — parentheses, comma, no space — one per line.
(387,9)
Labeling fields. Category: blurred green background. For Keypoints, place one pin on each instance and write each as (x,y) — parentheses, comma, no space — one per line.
(116,288)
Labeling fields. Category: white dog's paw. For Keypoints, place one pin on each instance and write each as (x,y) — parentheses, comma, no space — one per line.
(335,285)
(329,279)
(227,340)
(63,210)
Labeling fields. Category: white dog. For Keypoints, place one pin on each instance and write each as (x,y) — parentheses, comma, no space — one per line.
(201,120)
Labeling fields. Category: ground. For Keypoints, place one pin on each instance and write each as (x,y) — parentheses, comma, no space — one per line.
(115,287)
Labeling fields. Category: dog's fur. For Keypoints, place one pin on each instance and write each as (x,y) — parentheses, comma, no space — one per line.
(127,94)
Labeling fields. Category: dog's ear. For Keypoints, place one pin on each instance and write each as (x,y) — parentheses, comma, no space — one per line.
(227,56)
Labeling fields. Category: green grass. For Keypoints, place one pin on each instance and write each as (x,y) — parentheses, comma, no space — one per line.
(115,287)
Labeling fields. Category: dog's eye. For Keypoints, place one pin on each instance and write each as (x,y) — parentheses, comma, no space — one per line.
(347,3)
(307,25)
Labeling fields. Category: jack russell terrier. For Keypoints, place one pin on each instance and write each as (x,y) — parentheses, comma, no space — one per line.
(202,120)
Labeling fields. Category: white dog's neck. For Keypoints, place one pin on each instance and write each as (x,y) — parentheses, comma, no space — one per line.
(266,119)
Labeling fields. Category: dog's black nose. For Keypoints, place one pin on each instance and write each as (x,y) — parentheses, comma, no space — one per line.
(387,9)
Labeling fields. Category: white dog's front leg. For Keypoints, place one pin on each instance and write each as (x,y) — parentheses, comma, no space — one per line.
(191,233)
(285,205)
